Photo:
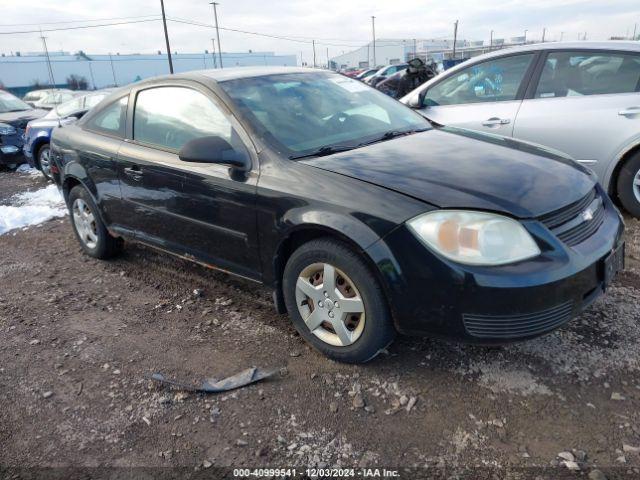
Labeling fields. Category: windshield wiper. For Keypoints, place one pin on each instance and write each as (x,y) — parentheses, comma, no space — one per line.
(393,134)
(324,150)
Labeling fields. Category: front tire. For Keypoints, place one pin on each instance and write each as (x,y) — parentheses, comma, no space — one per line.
(628,185)
(90,231)
(336,303)
(44,160)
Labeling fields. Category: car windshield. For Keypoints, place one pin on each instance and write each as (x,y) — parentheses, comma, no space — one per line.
(11,103)
(300,113)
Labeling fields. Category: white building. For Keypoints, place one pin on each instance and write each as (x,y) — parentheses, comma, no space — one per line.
(390,51)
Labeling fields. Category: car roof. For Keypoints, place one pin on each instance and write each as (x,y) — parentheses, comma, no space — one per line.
(224,74)
(612,45)
(582,45)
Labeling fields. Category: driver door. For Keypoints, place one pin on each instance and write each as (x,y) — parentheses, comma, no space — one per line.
(485,96)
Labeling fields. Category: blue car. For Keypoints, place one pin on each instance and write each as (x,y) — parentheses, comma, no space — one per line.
(38,132)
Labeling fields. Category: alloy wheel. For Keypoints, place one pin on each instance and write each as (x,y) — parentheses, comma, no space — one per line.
(636,186)
(85,223)
(45,162)
(330,304)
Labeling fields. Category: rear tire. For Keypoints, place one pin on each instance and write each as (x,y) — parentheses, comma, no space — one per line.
(90,231)
(346,316)
(628,185)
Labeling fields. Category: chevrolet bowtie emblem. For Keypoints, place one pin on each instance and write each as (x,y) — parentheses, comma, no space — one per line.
(587,215)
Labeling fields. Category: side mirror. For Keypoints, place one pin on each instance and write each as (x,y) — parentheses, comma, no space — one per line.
(417,101)
(213,150)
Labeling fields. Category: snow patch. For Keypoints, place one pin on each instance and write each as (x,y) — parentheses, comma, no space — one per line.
(32,208)
(26,168)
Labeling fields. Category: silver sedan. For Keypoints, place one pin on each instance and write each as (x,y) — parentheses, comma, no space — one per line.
(582,98)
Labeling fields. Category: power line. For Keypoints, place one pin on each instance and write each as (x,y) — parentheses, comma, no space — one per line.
(79,27)
(73,21)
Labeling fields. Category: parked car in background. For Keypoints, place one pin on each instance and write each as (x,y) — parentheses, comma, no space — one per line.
(55,98)
(14,115)
(384,73)
(352,72)
(38,132)
(363,218)
(582,98)
(366,74)
(36,95)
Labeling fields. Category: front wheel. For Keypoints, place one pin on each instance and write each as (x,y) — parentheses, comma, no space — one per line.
(90,231)
(336,302)
(44,160)
(628,185)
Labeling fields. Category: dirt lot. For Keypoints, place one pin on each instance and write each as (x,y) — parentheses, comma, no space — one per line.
(80,336)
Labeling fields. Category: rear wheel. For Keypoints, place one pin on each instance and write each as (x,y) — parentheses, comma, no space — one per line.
(628,185)
(44,160)
(92,234)
(336,302)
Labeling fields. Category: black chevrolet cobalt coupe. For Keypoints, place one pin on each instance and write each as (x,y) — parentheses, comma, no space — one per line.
(363,218)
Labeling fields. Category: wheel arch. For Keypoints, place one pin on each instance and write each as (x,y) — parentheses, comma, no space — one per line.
(306,232)
(38,143)
(612,175)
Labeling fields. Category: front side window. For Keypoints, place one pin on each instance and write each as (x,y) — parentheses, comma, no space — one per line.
(299,113)
(491,81)
(169,117)
(111,119)
(568,74)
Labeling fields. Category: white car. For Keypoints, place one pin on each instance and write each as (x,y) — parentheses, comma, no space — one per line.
(582,98)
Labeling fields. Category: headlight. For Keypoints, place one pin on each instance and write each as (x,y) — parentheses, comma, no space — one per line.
(7,129)
(474,238)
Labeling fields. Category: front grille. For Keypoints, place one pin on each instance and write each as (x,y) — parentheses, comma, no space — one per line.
(516,326)
(571,225)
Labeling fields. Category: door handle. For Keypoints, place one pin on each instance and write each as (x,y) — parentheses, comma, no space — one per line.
(133,172)
(629,111)
(495,122)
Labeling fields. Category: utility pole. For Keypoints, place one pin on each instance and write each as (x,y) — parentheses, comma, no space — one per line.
(561,35)
(166,37)
(93,80)
(328,61)
(373,28)
(215,16)
(301,62)
(113,70)
(525,36)
(635,27)
(313,42)
(415,48)
(544,31)
(213,53)
(455,37)
(52,81)
(491,41)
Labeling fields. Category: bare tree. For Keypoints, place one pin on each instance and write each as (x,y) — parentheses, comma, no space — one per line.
(77,82)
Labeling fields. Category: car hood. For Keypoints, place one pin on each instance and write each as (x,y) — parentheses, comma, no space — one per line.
(456,168)
(20,119)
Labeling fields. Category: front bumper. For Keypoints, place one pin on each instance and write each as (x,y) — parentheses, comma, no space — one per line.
(11,149)
(491,305)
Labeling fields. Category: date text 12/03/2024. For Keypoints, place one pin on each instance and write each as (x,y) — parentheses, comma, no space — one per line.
(316,473)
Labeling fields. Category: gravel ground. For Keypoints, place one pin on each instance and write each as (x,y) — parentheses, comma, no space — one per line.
(79,337)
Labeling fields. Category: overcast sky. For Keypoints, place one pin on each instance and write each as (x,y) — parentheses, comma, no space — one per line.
(339,25)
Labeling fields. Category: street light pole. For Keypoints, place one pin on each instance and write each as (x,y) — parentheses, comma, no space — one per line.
(215,16)
(525,36)
(166,37)
(313,42)
(213,53)
(491,41)
(373,28)
(455,37)
(544,31)
(52,81)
